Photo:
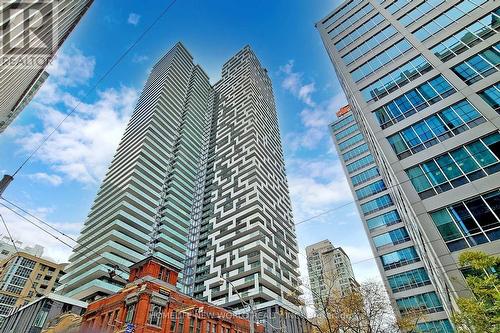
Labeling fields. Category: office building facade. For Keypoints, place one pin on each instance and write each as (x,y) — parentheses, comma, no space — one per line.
(330,272)
(401,265)
(25,278)
(421,78)
(32,32)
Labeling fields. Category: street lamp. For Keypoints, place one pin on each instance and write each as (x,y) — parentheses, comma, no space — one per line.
(249,304)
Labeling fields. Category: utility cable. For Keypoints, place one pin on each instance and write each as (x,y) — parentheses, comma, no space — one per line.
(33,286)
(93,87)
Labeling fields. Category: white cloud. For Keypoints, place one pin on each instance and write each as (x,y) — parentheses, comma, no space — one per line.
(133,18)
(71,68)
(293,82)
(24,231)
(316,116)
(83,146)
(139,58)
(316,186)
(43,177)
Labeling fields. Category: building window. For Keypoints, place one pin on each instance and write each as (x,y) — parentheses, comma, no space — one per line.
(397,5)
(491,95)
(355,152)
(155,315)
(437,326)
(191,324)
(427,302)
(371,189)
(377,204)
(398,78)
(468,36)
(360,164)
(365,176)
(338,14)
(180,326)
(350,142)
(381,59)
(450,16)
(413,101)
(419,11)
(479,66)
(129,317)
(365,28)
(350,21)
(457,167)
(173,321)
(392,237)
(386,219)
(40,318)
(348,131)
(469,223)
(441,126)
(369,45)
(400,258)
(342,123)
(409,280)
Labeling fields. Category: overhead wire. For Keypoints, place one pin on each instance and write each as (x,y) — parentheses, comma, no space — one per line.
(94,86)
(33,286)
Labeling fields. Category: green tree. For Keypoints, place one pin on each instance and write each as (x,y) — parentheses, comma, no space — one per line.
(481,312)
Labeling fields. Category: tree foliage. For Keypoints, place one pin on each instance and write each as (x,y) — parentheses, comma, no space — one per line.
(480,312)
(366,309)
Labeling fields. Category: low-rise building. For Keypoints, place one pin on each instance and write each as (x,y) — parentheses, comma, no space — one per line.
(43,314)
(7,248)
(24,278)
(151,303)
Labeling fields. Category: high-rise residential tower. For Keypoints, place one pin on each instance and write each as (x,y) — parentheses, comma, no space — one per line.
(32,32)
(330,272)
(247,244)
(421,78)
(198,180)
(150,184)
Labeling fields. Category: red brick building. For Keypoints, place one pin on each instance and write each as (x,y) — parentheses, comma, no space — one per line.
(150,303)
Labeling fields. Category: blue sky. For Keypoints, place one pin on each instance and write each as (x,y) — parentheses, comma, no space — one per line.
(60,183)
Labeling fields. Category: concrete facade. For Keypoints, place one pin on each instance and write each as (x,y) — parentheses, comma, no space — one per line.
(24,278)
(410,72)
(330,271)
(37,316)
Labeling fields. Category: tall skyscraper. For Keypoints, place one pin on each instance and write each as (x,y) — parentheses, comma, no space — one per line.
(422,82)
(330,272)
(199,181)
(151,181)
(32,32)
(246,231)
